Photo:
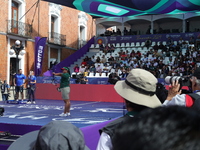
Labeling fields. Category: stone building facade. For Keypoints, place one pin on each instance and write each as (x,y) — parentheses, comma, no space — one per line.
(66,30)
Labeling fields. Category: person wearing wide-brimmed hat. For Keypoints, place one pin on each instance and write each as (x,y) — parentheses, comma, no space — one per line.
(139,93)
(65,89)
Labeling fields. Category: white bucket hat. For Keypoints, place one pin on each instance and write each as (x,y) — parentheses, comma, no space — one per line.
(139,88)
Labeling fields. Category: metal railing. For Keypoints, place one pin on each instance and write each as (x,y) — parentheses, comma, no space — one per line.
(19,28)
(57,38)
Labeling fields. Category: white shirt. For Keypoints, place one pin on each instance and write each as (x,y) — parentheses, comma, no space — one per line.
(176,100)
(179,100)
(104,142)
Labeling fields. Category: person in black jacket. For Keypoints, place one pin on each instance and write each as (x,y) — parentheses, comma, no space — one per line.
(139,93)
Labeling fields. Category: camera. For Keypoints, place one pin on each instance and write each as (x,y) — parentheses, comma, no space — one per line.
(113,78)
(183,81)
(78,78)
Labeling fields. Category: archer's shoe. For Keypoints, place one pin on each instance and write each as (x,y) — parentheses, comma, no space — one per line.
(28,102)
(33,102)
(63,115)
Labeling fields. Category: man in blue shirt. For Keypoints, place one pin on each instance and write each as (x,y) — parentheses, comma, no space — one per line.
(19,81)
(31,87)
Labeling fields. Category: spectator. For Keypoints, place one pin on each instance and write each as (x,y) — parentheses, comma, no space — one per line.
(160,30)
(112,48)
(106,69)
(119,32)
(103,59)
(149,30)
(156,47)
(169,41)
(138,91)
(161,46)
(106,49)
(84,62)
(93,69)
(76,68)
(180,42)
(87,71)
(99,69)
(19,81)
(125,31)
(5,91)
(90,62)
(113,78)
(93,59)
(31,87)
(111,59)
(101,47)
(130,32)
(148,43)
(192,41)
(86,58)
(162,128)
(82,69)
(56,135)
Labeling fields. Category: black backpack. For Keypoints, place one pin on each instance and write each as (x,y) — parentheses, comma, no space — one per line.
(3,88)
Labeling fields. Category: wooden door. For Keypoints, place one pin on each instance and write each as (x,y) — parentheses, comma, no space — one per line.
(14,22)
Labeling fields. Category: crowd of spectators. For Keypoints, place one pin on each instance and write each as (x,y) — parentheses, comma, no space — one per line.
(119,32)
(178,58)
(160,30)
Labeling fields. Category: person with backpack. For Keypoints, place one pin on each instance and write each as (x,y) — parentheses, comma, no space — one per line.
(5,89)
(192,100)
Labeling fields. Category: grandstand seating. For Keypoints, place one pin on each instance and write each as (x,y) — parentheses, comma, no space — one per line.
(136,46)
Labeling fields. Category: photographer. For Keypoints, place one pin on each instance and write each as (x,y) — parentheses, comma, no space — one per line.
(188,100)
(5,89)
(84,80)
(113,78)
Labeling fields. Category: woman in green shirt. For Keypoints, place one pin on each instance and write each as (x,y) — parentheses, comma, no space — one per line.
(65,89)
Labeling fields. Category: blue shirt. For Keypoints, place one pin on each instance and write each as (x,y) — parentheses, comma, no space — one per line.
(19,79)
(31,78)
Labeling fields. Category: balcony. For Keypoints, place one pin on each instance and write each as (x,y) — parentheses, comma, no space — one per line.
(19,28)
(57,38)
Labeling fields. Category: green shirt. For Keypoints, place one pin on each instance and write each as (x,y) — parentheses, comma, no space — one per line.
(65,80)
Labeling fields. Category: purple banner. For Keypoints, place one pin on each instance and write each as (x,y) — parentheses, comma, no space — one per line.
(143,38)
(39,54)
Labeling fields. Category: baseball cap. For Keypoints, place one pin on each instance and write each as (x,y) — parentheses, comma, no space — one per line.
(64,68)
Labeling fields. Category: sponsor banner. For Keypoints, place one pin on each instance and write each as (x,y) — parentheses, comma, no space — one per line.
(143,38)
(39,54)
(56,80)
